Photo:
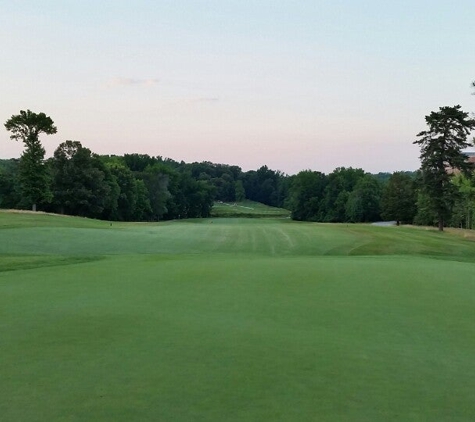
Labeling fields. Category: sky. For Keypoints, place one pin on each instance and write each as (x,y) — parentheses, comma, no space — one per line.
(291,84)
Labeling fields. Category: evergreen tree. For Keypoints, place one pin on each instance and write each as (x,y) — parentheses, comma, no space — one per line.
(441,149)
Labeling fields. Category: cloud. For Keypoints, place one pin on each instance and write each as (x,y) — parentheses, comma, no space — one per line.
(132,82)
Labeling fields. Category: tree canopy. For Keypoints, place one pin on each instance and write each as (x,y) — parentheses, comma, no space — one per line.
(27,126)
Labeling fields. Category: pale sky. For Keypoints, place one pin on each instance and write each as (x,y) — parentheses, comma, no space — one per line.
(291,84)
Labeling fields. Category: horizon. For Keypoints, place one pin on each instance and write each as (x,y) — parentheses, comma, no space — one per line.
(299,86)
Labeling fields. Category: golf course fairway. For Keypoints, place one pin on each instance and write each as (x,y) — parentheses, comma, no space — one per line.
(234,319)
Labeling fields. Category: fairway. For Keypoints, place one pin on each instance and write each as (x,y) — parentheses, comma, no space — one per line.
(234,320)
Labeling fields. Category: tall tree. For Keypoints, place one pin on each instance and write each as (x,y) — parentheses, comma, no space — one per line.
(27,127)
(441,149)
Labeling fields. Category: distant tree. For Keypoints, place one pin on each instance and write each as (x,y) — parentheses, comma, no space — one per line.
(306,195)
(27,127)
(363,204)
(382,177)
(80,181)
(10,194)
(240,191)
(139,162)
(340,183)
(464,206)
(441,148)
(143,209)
(157,178)
(399,199)
(425,215)
(225,187)
(127,197)
(264,185)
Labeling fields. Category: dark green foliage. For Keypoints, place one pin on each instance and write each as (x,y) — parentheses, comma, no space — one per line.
(363,204)
(265,185)
(139,162)
(82,184)
(27,126)
(142,207)
(221,177)
(189,198)
(341,183)
(425,214)
(10,193)
(128,193)
(399,198)
(306,195)
(156,178)
(441,148)
(240,191)
(345,195)
(33,175)
(383,178)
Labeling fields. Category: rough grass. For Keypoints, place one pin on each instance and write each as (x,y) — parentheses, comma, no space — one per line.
(248,209)
(234,320)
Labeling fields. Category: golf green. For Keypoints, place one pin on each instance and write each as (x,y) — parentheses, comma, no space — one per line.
(234,320)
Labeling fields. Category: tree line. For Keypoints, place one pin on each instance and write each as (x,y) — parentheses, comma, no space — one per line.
(139,187)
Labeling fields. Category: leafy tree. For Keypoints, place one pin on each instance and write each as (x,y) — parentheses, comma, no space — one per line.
(363,202)
(127,195)
(464,206)
(240,191)
(81,184)
(425,213)
(27,127)
(10,194)
(441,148)
(306,195)
(143,209)
(225,187)
(340,183)
(264,185)
(139,162)
(156,178)
(399,199)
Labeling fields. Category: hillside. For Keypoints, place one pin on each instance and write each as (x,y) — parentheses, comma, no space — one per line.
(250,209)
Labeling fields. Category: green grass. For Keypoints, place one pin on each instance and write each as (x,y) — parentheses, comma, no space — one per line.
(249,209)
(234,320)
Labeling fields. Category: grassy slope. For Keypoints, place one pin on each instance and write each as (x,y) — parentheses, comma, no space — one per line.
(236,320)
(247,209)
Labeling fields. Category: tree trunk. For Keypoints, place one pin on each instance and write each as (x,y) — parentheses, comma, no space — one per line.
(33,208)
(441,224)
